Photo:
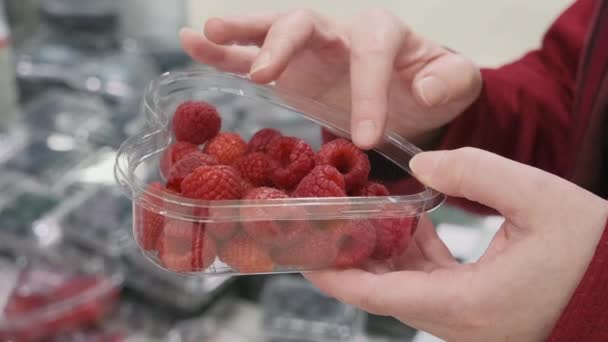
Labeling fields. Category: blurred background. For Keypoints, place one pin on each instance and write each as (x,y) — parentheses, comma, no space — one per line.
(72,73)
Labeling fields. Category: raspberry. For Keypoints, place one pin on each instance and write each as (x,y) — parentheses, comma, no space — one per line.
(185,247)
(255,168)
(322,181)
(316,250)
(348,159)
(273,226)
(246,187)
(210,183)
(370,189)
(356,240)
(243,254)
(196,122)
(393,236)
(223,230)
(295,158)
(149,224)
(186,166)
(327,136)
(226,147)
(260,141)
(174,153)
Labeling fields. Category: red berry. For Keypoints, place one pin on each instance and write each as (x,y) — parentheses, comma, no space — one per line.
(255,168)
(348,159)
(393,236)
(322,181)
(244,255)
(356,240)
(294,157)
(226,147)
(316,250)
(273,226)
(149,223)
(173,153)
(370,189)
(185,247)
(246,187)
(186,166)
(196,122)
(260,141)
(223,222)
(211,183)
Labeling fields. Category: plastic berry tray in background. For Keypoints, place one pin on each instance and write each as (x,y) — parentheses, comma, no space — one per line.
(48,293)
(53,158)
(176,292)
(24,208)
(97,218)
(211,201)
(294,310)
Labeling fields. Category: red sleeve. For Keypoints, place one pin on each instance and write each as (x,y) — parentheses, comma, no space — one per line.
(585,318)
(525,109)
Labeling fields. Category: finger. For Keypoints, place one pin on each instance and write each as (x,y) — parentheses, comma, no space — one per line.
(448,78)
(431,246)
(373,55)
(288,35)
(517,191)
(236,59)
(242,29)
(409,293)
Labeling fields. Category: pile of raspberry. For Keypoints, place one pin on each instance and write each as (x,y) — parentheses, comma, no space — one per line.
(207,164)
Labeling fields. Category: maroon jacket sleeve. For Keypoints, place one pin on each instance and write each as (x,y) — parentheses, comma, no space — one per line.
(524,111)
(525,108)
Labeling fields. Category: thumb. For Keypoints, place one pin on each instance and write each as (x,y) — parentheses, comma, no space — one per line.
(519,192)
(451,78)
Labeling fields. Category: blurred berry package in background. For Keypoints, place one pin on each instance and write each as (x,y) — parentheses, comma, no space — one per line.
(79,46)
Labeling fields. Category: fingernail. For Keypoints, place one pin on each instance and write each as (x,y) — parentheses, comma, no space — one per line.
(424,164)
(261,62)
(433,91)
(365,134)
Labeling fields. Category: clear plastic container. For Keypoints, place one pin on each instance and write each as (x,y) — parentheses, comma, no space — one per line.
(305,233)
(45,293)
(294,310)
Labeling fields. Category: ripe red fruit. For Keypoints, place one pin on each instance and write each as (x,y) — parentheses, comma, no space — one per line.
(273,226)
(196,122)
(243,254)
(295,159)
(322,181)
(186,166)
(149,223)
(255,168)
(185,247)
(348,159)
(173,153)
(210,183)
(356,240)
(223,223)
(370,189)
(260,141)
(393,236)
(317,249)
(226,147)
